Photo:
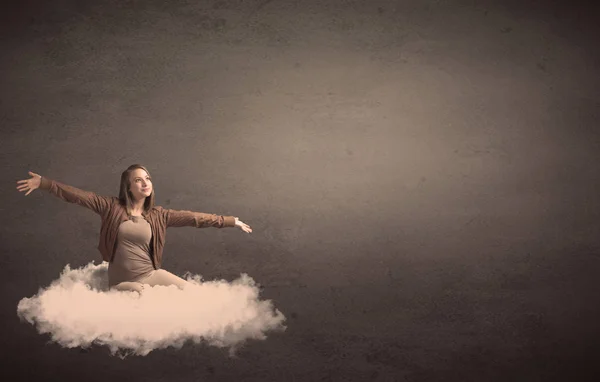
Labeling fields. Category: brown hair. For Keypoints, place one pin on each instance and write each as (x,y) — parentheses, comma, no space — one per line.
(125,196)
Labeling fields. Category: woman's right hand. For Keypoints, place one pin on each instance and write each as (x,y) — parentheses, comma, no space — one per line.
(29,184)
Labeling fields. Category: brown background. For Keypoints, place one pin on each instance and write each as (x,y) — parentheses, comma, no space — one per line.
(421,178)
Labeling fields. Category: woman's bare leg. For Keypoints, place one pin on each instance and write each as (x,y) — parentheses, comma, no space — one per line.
(162,277)
(129,286)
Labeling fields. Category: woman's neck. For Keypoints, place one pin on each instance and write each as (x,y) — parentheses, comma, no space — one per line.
(138,206)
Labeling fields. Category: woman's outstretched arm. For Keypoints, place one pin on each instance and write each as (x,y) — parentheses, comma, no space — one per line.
(90,200)
(183,218)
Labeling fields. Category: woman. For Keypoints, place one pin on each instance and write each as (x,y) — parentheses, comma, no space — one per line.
(133,230)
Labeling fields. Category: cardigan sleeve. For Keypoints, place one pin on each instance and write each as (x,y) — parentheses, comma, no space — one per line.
(183,218)
(98,204)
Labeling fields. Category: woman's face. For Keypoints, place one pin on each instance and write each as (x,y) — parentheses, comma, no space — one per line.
(140,184)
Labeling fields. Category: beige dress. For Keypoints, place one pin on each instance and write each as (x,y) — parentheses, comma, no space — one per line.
(132,260)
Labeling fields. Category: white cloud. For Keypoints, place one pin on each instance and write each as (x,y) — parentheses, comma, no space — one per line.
(77,309)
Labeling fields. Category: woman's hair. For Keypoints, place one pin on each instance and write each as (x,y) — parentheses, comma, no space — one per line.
(125,197)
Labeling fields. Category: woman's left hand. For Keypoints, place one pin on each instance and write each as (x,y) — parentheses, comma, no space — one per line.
(243,226)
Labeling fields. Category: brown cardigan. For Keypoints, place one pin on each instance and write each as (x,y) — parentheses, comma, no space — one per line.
(113,214)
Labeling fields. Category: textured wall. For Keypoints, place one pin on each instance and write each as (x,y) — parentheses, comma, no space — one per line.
(420,176)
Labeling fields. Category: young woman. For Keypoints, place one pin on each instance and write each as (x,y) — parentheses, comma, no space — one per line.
(133,230)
